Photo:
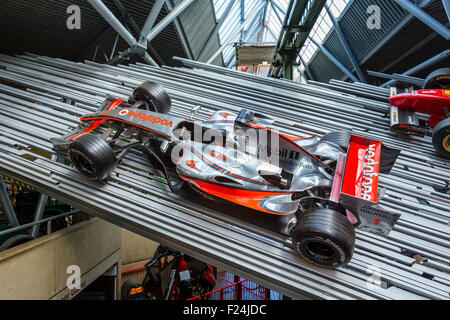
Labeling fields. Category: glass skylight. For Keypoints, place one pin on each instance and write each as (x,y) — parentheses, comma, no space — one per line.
(253,13)
(321,28)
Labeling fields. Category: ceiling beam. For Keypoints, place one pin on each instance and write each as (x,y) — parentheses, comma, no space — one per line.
(346,45)
(308,70)
(150,21)
(128,19)
(167,20)
(276,13)
(330,56)
(443,56)
(425,18)
(135,47)
(214,33)
(446,5)
(297,25)
(113,21)
(276,5)
(242,17)
(180,31)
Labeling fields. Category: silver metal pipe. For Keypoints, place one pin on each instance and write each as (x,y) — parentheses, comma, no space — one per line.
(113,21)
(212,36)
(308,71)
(39,222)
(168,19)
(346,45)
(334,60)
(38,214)
(446,5)
(443,56)
(114,47)
(276,13)
(40,209)
(425,18)
(180,32)
(275,4)
(123,32)
(7,207)
(147,28)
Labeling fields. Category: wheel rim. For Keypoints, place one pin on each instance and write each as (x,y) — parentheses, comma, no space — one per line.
(320,251)
(446,143)
(152,105)
(82,164)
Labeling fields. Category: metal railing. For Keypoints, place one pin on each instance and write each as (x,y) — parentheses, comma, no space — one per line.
(35,223)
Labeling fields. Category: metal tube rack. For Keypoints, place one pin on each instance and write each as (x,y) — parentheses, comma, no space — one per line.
(42,97)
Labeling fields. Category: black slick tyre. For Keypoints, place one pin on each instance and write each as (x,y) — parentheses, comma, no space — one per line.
(15,241)
(341,138)
(324,237)
(441,138)
(154,95)
(92,156)
(438,79)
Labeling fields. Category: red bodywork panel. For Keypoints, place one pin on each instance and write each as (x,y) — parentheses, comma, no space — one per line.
(430,101)
(247,198)
(362,168)
(98,123)
(435,119)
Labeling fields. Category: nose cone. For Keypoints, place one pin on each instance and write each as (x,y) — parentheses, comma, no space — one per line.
(424,101)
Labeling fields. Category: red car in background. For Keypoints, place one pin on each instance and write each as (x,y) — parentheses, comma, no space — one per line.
(425,112)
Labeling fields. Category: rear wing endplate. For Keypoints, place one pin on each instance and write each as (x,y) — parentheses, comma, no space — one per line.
(359,184)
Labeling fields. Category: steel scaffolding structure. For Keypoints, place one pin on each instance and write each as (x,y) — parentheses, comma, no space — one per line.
(43,97)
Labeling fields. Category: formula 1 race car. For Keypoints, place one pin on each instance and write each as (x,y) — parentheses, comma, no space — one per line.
(425,112)
(328,186)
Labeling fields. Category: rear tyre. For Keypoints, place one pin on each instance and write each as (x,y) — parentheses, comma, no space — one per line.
(92,156)
(154,95)
(15,241)
(324,237)
(439,79)
(441,138)
(341,138)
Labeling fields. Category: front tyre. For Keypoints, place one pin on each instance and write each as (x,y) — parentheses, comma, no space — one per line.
(154,95)
(15,241)
(438,79)
(324,237)
(441,138)
(92,156)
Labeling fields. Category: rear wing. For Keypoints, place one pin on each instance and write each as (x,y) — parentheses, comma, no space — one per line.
(357,177)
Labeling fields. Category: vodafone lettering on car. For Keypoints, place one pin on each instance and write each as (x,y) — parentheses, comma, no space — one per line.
(146,117)
(369,173)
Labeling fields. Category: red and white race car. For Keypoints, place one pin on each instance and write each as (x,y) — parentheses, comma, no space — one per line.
(327,186)
(425,112)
